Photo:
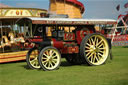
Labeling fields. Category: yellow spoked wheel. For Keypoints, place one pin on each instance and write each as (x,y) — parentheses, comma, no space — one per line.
(31,58)
(49,58)
(94,49)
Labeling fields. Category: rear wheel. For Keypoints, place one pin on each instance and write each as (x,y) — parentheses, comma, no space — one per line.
(49,58)
(31,58)
(94,49)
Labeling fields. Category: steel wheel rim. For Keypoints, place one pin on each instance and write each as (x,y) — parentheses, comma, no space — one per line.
(96,49)
(50,58)
(33,59)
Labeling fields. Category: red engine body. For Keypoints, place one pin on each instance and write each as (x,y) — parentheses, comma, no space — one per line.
(68,44)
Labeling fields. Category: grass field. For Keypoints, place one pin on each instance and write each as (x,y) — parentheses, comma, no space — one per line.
(114,72)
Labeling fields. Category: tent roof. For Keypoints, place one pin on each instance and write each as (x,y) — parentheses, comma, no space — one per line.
(66,21)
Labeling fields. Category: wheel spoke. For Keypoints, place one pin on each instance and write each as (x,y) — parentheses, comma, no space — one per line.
(45,63)
(87,47)
(89,41)
(95,39)
(102,48)
(96,57)
(32,61)
(51,53)
(99,42)
(37,64)
(92,58)
(51,64)
(101,51)
(54,61)
(88,44)
(87,50)
(100,55)
(100,45)
(46,55)
(90,55)
(92,41)
(44,58)
(54,56)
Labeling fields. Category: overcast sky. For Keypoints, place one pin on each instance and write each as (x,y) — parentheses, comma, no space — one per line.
(93,8)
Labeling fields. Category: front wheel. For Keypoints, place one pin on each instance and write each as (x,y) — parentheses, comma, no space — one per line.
(49,58)
(94,49)
(31,58)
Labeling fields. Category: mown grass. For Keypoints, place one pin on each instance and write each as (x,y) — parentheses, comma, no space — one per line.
(114,72)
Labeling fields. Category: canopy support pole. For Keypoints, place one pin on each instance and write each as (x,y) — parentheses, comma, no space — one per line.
(114,33)
(1,32)
(31,30)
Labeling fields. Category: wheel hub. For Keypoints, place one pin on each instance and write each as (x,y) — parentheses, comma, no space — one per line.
(50,59)
(93,48)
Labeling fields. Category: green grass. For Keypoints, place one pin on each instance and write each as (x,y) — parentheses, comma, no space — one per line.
(114,72)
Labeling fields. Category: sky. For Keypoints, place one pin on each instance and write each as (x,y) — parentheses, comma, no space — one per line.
(94,9)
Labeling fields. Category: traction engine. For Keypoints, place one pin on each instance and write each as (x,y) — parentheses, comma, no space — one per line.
(78,44)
